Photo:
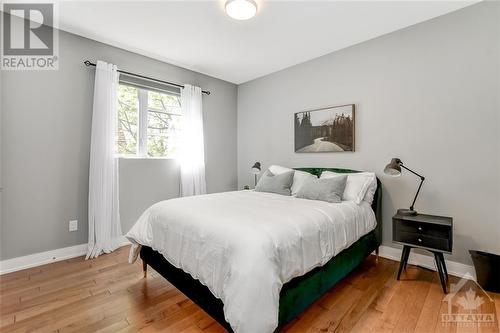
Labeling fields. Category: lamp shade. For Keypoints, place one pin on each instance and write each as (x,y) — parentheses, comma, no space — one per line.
(256,168)
(393,168)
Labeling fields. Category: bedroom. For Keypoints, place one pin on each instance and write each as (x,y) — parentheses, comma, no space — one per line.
(124,114)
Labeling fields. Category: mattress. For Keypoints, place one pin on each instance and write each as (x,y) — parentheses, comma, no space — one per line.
(245,245)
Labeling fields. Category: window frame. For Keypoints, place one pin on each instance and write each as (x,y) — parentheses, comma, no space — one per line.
(142,121)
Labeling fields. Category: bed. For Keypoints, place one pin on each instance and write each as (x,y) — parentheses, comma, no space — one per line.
(234,285)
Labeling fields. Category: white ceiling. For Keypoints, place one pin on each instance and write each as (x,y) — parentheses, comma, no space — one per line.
(199,36)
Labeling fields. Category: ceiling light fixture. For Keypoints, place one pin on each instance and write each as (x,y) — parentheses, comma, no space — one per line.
(241,9)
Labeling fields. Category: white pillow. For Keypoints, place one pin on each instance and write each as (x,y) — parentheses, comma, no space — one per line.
(360,186)
(299,177)
(372,188)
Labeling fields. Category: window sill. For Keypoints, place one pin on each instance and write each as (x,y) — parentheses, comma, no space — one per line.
(143,158)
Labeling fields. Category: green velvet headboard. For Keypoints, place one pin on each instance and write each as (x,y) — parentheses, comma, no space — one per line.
(377,199)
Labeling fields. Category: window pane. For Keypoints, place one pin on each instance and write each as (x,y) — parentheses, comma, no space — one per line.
(126,130)
(165,102)
(163,133)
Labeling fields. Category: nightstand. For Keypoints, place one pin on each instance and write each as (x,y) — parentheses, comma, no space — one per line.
(428,232)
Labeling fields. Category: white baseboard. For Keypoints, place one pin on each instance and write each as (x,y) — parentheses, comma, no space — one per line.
(453,267)
(47,257)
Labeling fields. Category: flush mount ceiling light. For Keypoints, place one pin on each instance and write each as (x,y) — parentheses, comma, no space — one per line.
(241,9)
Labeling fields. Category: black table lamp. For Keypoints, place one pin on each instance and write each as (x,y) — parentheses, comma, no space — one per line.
(256,170)
(394,169)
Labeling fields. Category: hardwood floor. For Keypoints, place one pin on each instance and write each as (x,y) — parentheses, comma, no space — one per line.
(109,295)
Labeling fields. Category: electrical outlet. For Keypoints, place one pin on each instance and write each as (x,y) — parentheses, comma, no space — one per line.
(73,225)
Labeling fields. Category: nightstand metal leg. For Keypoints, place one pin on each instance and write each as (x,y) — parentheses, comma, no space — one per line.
(404,258)
(145,268)
(440,265)
(376,254)
(407,255)
(441,256)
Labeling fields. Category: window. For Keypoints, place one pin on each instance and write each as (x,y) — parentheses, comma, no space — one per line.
(149,122)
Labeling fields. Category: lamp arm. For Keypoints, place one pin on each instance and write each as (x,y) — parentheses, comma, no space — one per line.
(422,178)
(418,190)
(413,172)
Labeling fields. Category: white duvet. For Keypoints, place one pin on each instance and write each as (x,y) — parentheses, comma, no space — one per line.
(245,245)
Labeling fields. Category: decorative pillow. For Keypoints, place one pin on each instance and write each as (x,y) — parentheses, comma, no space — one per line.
(299,177)
(327,189)
(279,184)
(360,186)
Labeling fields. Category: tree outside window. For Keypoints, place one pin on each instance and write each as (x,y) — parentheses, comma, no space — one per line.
(148,124)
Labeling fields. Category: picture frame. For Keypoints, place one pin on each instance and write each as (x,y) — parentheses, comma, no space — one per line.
(325,130)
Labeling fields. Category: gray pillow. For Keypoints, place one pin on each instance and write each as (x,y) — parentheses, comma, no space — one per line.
(326,189)
(279,184)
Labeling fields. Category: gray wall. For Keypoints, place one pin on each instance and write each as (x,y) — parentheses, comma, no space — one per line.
(427,94)
(46,118)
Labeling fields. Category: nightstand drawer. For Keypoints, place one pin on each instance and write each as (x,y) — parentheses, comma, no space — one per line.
(432,230)
(423,240)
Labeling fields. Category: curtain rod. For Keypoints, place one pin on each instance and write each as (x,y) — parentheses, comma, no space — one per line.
(88,63)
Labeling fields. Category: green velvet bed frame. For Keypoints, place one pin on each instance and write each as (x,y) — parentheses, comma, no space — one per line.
(297,294)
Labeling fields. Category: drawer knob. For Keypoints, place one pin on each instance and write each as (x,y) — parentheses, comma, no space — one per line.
(420,240)
(420,229)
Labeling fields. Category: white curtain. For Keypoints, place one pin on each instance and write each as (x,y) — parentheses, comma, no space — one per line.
(192,154)
(104,216)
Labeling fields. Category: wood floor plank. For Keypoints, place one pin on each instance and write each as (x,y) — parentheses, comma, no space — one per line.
(328,321)
(443,327)
(45,299)
(395,307)
(386,292)
(357,310)
(109,295)
(368,321)
(415,301)
(496,298)
(429,314)
(488,307)
(214,328)
(7,319)
(372,291)
(306,319)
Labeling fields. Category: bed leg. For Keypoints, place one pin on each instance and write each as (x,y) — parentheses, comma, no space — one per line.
(376,254)
(145,268)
